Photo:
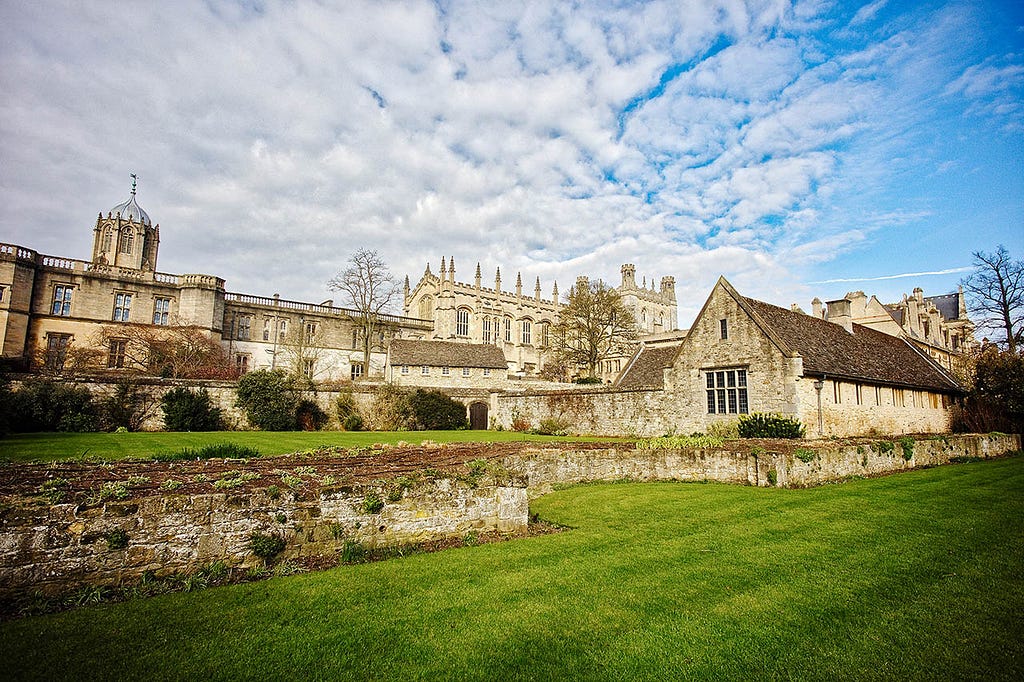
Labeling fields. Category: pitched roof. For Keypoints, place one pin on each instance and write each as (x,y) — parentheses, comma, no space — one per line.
(647,368)
(948,305)
(446,354)
(866,354)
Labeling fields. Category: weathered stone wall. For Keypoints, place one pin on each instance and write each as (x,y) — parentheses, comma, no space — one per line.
(54,547)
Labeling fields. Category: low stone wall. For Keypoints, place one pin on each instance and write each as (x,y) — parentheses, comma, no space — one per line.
(55,547)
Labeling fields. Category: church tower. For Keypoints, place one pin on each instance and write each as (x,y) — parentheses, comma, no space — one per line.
(126,237)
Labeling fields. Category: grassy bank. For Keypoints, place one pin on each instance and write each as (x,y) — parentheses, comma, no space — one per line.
(108,446)
(914,576)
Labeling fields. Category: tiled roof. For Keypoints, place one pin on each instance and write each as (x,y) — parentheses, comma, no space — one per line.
(866,355)
(647,368)
(446,354)
(896,311)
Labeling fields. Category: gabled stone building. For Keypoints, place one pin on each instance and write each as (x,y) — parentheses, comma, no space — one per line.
(742,356)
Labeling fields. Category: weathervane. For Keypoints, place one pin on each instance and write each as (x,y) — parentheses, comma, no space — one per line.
(134,178)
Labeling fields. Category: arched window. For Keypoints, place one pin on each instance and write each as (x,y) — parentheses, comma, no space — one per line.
(426,308)
(486,329)
(127,240)
(108,239)
(462,322)
(508,329)
(526,329)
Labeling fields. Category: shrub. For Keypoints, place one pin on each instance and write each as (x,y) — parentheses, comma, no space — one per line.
(372,504)
(434,411)
(587,380)
(127,407)
(805,455)
(773,477)
(268,398)
(345,406)
(45,405)
(765,425)
(680,442)
(391,409)
(211,451)
(907,444)
(309,416)
(552,426)
(727,430)
(353,422)
(266,545)
(186,410)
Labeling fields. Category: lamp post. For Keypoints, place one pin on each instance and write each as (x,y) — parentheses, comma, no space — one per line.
(818,385)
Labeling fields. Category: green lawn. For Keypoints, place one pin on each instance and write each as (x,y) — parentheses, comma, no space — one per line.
(912,576)
(53,446)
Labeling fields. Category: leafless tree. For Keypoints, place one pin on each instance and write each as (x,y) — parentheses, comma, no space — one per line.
(996,292)
(594,325)
(369,289)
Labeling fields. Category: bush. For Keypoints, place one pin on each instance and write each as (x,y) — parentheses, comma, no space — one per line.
(434,411)
(186,410)
(996,399)
(268,398)
(126,408)
(765,425)
(391,409)
(309,416)
(353,422)
(266,545)
(552,427)
(587,380)
(45,405)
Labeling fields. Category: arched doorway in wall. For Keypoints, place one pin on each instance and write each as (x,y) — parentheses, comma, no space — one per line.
(478,416)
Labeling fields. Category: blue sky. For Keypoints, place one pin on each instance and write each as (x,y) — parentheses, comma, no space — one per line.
(800,149)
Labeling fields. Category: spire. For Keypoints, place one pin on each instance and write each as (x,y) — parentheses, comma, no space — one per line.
(497,280)
(444,269)
(536,290)
(519,284)
(554,292)
(451,269)
(477,277)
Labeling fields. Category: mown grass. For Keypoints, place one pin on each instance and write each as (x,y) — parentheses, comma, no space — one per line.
(112,446)
(914,576)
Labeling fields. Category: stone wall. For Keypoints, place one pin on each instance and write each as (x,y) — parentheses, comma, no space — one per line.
(55,547)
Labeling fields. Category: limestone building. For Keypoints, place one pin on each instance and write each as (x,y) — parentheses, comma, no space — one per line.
(57,311)
(938,325)
(519,322)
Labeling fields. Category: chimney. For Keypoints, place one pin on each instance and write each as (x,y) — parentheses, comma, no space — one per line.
(839,313)
(816,308)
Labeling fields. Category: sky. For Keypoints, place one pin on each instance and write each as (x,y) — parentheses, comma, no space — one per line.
(799,149)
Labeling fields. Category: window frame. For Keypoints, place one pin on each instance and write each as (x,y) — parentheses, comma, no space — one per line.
(161,310)
(63,295)
(122,306)
(727,390)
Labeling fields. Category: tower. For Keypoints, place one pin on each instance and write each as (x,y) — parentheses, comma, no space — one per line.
(126,237)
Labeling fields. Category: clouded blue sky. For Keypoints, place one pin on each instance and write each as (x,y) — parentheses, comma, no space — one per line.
(800,149)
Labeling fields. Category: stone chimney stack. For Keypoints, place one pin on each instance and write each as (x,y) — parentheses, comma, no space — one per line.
(816,308)
(839,312)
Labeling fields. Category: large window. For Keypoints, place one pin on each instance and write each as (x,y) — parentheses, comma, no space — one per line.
(127,240)
(486,330)
(161,309)
(727,391)
(57,351)
(462,322)
(527,335)
(508,330)
(244,327)
(122,307)
(118,350)
(62,300)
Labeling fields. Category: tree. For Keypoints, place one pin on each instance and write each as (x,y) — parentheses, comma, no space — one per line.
(305,352)
(996,290)
(269,399)
(175,351)
(593,326)
(369,289)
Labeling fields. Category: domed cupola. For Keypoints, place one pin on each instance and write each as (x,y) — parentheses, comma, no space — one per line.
(126,237)
(131,211)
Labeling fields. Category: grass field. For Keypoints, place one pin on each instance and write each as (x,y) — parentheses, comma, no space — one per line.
(109,446)
(913,576)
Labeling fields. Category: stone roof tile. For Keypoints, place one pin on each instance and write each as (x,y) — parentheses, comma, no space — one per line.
(446,354)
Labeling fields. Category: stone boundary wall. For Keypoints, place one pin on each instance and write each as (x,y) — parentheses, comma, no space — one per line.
(56,547)
(52,548)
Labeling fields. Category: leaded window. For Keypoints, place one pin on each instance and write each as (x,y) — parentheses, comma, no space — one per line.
(161,309)
(62,300)
(122,307)
(727,391)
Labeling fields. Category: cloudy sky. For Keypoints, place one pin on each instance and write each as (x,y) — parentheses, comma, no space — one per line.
(799,149)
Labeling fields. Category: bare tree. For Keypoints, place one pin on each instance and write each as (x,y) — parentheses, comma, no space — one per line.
(370,289)
(996,290)
(594,325)
(305,352)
